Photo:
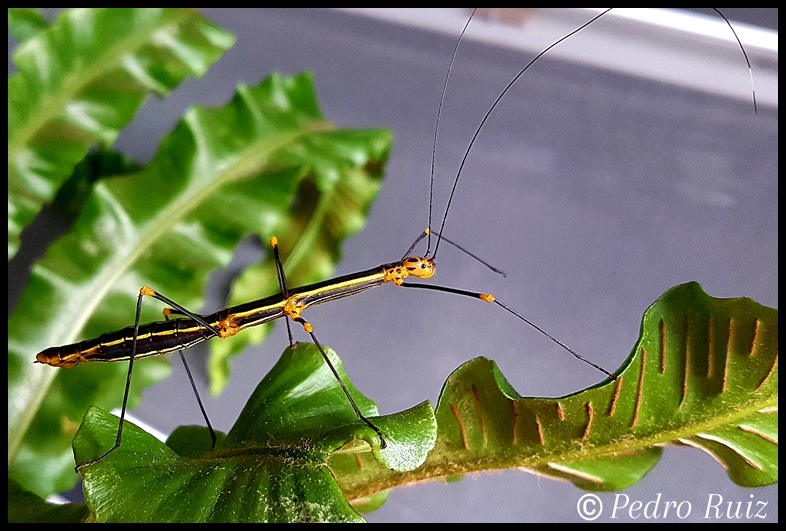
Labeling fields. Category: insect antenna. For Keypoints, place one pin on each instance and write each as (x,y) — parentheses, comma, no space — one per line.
(491,109)
(744,53)
(513,81)
(436,132)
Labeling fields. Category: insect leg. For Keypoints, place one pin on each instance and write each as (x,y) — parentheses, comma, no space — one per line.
(125,395)
(167,313)
(310,329)
(490,298)
(282,283)
(144,292)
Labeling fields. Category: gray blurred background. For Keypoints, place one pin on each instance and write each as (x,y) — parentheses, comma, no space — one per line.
(627,162)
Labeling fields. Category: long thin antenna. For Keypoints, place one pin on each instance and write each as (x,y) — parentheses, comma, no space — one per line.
(436,130)
(513,81)
(750,70)
(493,106)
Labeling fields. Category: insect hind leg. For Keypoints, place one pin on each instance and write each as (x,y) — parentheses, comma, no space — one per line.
(490,298)
(119,437)
(176,309)
(167,313)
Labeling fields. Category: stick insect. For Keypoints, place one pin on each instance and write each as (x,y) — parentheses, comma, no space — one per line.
(292,291)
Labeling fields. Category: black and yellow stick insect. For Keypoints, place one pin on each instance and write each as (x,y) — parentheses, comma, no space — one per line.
(156,338)
(139,341)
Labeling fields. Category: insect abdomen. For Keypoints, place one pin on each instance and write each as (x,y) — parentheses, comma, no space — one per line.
(153,339)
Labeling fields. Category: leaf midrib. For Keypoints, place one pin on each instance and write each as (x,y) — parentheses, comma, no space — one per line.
(75,83)
(462,462)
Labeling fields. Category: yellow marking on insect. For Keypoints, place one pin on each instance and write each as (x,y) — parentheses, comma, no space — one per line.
(228,327)
(419,267)
(253,311)
(396,275)
(147,292)
(293,307)
(274,241)
(488,297)
(57,360)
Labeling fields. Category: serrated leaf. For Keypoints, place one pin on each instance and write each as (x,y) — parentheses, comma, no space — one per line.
(80,81)
(702,367)
(272,466)
(220,175)
(703,373)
